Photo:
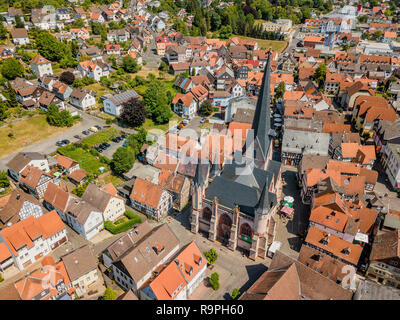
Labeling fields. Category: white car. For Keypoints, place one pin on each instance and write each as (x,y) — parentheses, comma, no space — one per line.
(93,129)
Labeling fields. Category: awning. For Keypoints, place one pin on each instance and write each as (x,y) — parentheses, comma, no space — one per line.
(287,210)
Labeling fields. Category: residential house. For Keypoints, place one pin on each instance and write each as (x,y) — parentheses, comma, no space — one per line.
(297,143)
(185,105)
(385,260)
(18,206)
(150,199)
(289,279)
(35,181)
(106,200)
(80,215)
(136,266)
(20,36)
(67,165)
(179,278)
(50,282)
(94,69)
(124,243)
(114,49)
(334,246)
(178,185)
(113,104)
(81,266)
(82,99)
(26,241)
(24,159)
(41,66)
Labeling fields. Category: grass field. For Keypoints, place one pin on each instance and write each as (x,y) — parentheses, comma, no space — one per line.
(98,88)
(104,135)
(86,160)
(116,181)
(26,132)
(275,45)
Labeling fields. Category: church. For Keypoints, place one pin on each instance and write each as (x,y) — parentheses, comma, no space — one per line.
(236,204)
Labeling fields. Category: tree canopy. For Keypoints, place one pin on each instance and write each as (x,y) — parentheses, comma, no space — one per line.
(122,160)
(12,68)
(133,112)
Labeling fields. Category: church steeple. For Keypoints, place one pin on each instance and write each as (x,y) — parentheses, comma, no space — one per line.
(262,117)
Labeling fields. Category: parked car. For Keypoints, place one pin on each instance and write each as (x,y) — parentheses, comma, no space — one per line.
(66,142)
(77,136)
(123,136)
(99,149)
(60,144)
(97,127)
(115,140)
(107,144)
(93,129)
(86,132)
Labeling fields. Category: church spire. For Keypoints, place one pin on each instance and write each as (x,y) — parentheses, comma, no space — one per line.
(262,117)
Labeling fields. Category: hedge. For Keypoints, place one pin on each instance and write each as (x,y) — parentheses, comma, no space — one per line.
(115,229)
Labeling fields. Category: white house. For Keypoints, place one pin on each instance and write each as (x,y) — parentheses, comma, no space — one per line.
(23,159)
(82,99)
(41,66)
(113,105)
(93,69)
(77,213)
(28,240)
(20,36)
(106,200)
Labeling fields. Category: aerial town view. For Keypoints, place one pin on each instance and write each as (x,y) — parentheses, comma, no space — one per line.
(199,150)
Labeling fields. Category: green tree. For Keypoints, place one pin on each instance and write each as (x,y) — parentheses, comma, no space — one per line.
(133,112)
(280,90)
(12,68)
(156,102)
(109,294)
(3,110)
(163,66)
(78,23)
(12,97)
(235,293)
(49,47)
(206,108)
(3,31)
(214,281)
(122,160)
(130,65)
(320,74)
(377,34)
(225,32)
(211,256)
(58,118)
(215,21)
(19,23)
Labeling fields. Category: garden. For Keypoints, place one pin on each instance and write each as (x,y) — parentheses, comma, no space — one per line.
(126,222)
(104,135)
(89,159)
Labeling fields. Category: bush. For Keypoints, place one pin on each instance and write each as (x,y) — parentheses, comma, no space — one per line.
(235,293)
(109,294)
(214,281)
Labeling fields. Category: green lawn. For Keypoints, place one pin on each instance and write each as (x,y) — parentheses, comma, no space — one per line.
(149,124)
(100,137)
(276,45)
(116,181)
(24,133)
(86,160)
